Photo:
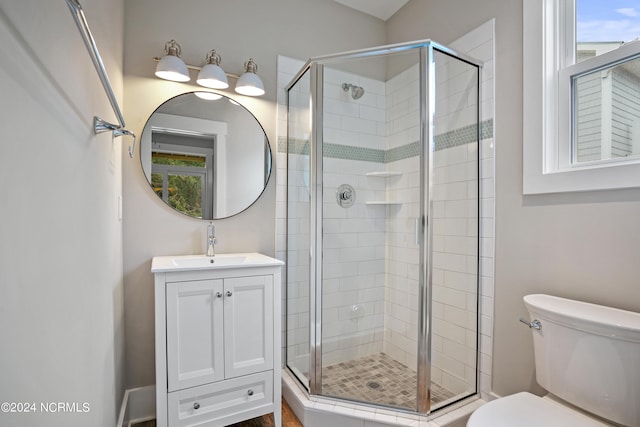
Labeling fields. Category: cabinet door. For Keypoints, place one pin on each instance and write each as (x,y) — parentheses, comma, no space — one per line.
(194,333)
(248,316)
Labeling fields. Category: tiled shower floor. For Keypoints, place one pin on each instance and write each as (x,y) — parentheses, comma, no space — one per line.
(376,379)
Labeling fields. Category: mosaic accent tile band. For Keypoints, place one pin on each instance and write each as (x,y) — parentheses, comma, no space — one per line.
(297,146)
(454,138)
(335,151)
(463,135)
(338,151)
(402,152)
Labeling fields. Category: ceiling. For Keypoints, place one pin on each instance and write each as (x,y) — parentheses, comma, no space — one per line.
(382,9)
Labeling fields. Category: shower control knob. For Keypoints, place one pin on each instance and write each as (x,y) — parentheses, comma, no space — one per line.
(345,196)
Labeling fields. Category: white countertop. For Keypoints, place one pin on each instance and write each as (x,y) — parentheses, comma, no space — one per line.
(204,262)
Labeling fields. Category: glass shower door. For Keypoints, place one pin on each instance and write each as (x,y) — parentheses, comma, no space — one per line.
(298,238)
(454,229)
(370,243)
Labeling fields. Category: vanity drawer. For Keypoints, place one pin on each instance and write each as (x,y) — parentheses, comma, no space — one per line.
(219,403)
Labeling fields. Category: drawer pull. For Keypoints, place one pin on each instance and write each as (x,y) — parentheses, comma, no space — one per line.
(229,293)
(250,392)
(196,406)
(219,294)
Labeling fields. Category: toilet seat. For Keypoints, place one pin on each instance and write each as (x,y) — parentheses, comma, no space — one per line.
(528,410)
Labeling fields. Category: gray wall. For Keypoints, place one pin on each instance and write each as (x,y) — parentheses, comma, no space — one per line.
(296,28)
(61,290)
(580,245)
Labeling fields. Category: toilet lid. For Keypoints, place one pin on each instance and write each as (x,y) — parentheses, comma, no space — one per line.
(528,410)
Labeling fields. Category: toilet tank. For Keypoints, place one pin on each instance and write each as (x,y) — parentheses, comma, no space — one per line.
(588,355)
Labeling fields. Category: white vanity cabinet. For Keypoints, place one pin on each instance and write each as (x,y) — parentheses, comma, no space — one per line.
(217,339)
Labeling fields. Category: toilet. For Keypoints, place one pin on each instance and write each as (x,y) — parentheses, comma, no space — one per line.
(587,357)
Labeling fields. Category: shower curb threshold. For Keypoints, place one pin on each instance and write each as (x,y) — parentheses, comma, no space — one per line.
(315,411)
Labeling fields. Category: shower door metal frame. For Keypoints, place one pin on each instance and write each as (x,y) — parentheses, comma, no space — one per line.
(427,145)
(427,98)
(316,218)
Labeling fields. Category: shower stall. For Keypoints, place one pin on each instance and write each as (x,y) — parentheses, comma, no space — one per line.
(382,220)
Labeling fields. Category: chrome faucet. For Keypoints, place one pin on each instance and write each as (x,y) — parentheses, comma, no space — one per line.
(211,234)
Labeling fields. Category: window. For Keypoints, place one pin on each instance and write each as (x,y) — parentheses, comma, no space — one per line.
(581,95)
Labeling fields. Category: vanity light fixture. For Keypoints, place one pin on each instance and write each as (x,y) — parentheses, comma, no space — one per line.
(249,83)
(171,67)
(211,75)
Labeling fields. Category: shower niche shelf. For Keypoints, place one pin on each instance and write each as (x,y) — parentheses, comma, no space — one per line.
(383,174)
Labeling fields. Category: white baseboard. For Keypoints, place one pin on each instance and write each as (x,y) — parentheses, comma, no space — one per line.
(138,405)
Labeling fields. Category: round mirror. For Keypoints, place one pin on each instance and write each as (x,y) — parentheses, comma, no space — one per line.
(208,158)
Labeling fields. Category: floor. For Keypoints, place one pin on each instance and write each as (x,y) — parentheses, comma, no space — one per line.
(289,419)
(376,379)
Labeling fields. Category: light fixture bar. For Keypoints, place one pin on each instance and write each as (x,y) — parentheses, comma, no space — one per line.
(198,68)
(210,75)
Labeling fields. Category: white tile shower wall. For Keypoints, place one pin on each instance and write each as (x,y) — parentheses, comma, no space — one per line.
(403,255)
(353,238)
(298,288)
(353,266)
(353,122)
(403,252)
(451,321)
(403,103)
(454,274)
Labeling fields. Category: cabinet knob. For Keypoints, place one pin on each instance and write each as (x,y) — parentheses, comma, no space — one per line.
(196,405)
(219,294)
(250,392)
(229,293)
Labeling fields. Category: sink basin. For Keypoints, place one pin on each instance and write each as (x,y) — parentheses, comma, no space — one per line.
(203,262)
(200,261)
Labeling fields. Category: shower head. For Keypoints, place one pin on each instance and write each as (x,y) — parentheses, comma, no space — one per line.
(356,91)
